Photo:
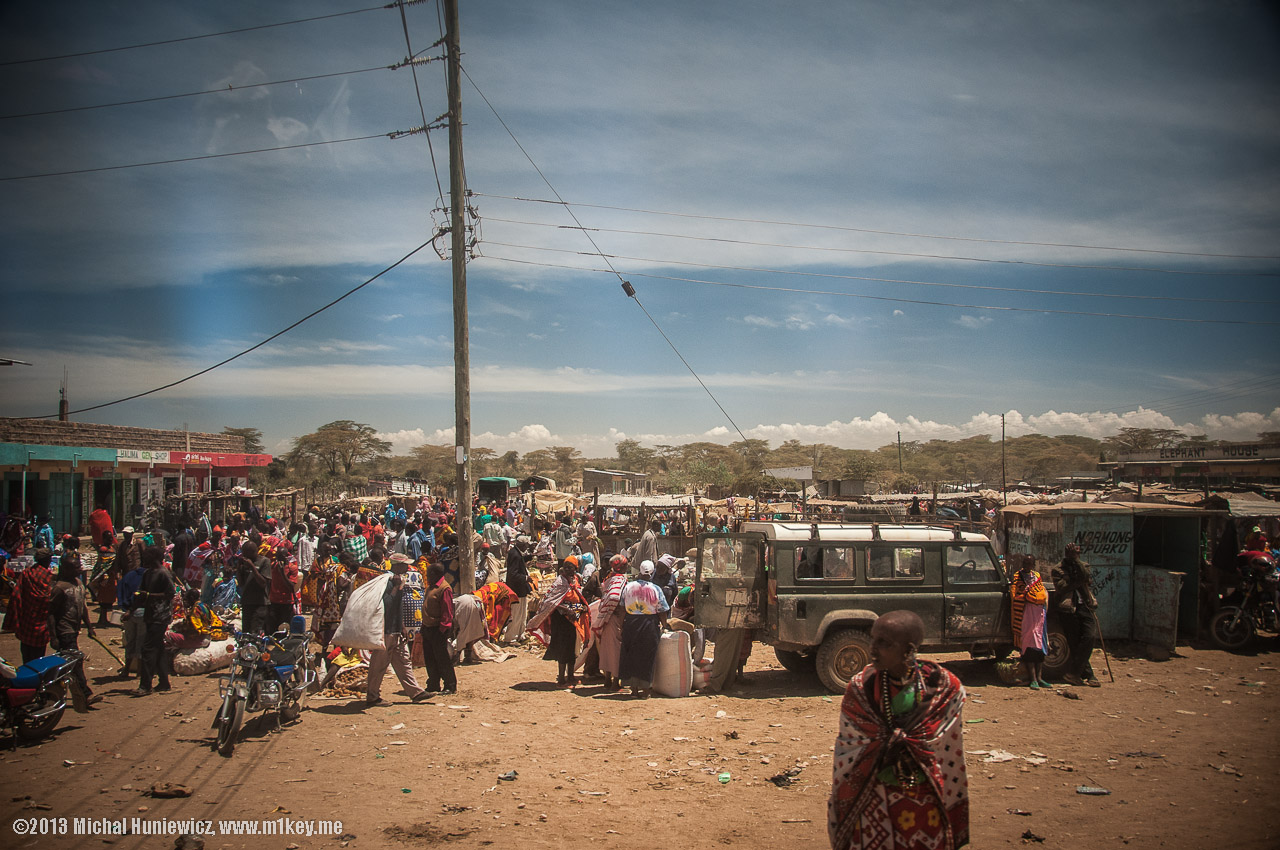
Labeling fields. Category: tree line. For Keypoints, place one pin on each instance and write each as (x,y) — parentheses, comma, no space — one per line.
(346,455)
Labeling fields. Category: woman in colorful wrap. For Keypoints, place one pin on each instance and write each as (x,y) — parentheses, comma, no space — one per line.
(647,608)
(899,776)
(607,623)
(1030,606)
(498,600)
(564,612)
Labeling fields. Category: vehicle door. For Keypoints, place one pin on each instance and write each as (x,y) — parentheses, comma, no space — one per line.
(731,581)
(906,577)
(976,594)
(815,579)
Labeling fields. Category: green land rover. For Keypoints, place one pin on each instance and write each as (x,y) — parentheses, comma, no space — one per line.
(812,590)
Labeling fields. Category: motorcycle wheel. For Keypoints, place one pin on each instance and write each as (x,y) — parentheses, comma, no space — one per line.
(1231,629)
(229,721)
(34,730)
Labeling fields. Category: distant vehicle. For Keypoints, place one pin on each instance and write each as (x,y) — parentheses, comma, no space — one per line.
(497,489)
(813,590)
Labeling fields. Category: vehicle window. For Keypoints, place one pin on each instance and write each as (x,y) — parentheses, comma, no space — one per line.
(971,565)
(819,562)
(887,563)
(722,557)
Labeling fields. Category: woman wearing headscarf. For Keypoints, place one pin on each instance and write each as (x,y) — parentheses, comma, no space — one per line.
(607,622)
(899,778)
(564,612)
(1029,609)
(646,607)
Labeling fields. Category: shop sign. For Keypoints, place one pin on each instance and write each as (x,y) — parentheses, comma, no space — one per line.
(143,455)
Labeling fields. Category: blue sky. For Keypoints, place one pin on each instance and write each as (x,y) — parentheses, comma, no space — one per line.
(782,152)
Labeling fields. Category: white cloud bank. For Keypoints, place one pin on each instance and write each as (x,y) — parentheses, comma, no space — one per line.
(869,433)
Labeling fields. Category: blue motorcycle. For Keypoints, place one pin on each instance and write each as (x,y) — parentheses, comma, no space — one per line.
(269,673)
(34,696)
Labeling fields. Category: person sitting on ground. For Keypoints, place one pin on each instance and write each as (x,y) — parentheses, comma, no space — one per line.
(898,777)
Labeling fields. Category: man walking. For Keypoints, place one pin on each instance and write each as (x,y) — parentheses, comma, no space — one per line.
(68,610)
(1077,607)
(156,595)
(397,635)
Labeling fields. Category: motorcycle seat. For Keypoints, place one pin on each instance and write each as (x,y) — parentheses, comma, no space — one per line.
(40,670)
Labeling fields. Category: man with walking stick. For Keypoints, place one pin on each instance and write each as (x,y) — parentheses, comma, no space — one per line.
(1076,603)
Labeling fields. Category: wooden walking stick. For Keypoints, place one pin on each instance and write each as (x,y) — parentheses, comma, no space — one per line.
(1102,643)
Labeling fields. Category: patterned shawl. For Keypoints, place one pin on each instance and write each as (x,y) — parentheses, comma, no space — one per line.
(932,735)
(1025,591)
(610,598)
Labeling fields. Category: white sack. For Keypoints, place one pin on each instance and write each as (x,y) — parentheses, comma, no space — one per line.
(206,659)
(363,621)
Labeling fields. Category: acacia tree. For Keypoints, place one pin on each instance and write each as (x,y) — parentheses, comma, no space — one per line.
(252,439)
(340,445)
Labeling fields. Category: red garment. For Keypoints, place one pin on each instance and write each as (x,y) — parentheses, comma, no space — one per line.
(30,605)
(100,523)
(862,808)
(282,582)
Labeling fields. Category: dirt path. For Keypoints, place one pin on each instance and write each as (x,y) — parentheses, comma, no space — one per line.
(1188,749)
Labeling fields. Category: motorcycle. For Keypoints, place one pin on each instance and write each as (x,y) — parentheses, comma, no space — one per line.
(270,673)
(34,696)
(1250,608)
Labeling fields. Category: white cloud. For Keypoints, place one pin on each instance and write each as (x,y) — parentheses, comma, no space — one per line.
(899,313)
(973,323)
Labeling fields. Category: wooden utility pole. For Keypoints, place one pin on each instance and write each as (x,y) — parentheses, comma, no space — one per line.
(1004,478)
(461,334)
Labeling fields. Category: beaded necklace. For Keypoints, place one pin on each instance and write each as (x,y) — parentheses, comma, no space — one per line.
(904,768)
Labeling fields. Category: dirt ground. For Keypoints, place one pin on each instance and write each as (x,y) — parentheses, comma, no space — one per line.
(1187,748)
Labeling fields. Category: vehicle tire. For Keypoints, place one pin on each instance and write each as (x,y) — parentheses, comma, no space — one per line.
(1227,636)
(842,655)
(1057,659)
(229,720)
(34,730)
(796,662)
(290,711)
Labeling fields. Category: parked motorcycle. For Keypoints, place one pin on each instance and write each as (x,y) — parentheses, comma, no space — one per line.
(270,673)
(34,696)
(1250,608)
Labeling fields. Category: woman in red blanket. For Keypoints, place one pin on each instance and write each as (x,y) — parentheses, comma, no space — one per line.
(899,777)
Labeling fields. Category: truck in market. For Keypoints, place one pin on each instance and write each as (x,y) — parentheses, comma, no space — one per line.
(812,590)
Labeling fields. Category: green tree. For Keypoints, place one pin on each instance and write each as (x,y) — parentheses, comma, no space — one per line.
(252,439)
(752,453)
(635,457)
(436,465)
(340,445)
(482,461)
(509,464)
(567,462)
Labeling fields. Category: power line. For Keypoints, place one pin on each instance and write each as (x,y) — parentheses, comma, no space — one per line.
(895,300)
(193,37)
(839,249)
(893,232)
(631,292)
(404,21)
(893,280)
(392,135)
(1195,398)
(626,286)
(256,346)
(228,88)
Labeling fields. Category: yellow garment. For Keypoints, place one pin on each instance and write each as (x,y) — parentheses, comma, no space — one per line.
(204,621)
